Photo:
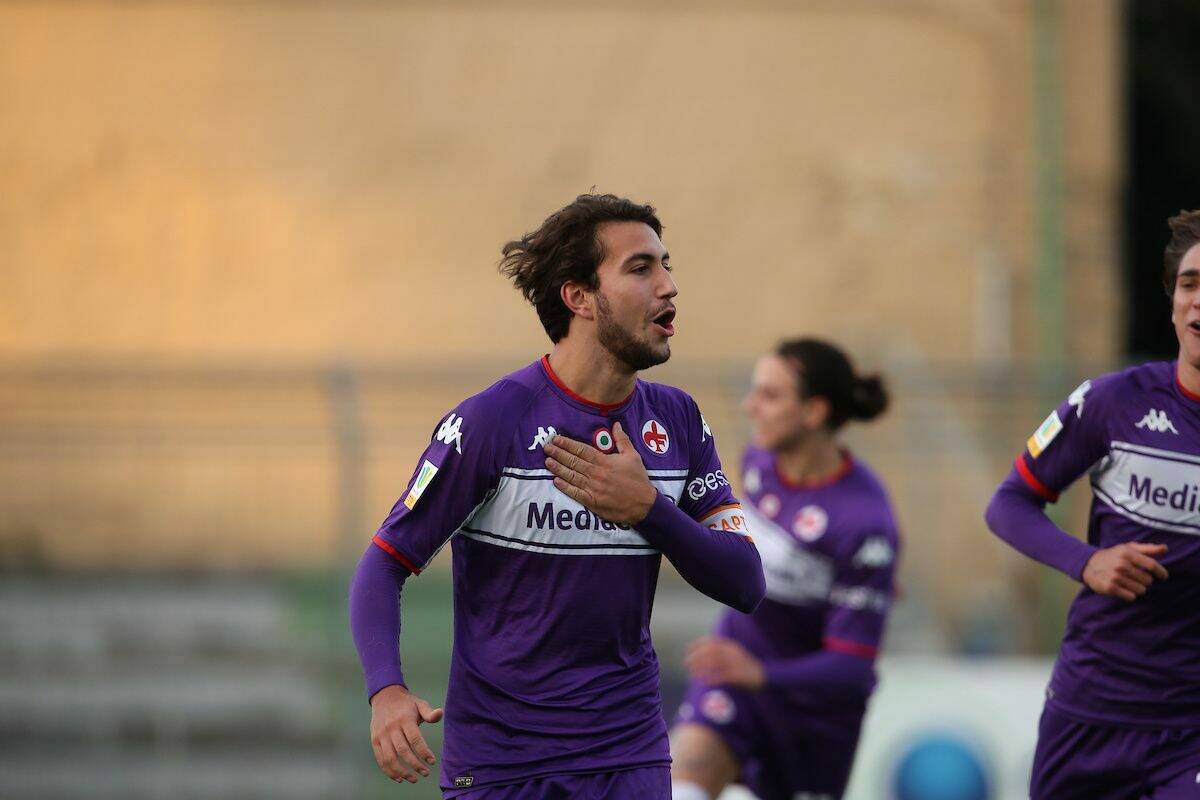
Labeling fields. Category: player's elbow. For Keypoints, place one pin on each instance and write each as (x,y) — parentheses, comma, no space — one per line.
(754,589)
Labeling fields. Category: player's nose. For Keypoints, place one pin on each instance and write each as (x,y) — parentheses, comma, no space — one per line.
(667,289)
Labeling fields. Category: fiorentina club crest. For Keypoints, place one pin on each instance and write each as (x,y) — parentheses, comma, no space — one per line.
(718,707)
(602,440)
(810,523)
(769,505)
(655,437)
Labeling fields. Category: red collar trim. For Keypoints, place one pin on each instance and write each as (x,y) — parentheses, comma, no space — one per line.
(578,398)
(819,483)
(1190,395)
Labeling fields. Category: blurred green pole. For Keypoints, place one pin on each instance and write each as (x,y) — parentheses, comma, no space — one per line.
(1049,278)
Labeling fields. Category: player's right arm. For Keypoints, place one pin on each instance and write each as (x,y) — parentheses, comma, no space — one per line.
(452,478)
(1065,446)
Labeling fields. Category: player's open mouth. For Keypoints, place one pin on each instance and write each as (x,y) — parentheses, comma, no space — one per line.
(1194,325)
(664,321)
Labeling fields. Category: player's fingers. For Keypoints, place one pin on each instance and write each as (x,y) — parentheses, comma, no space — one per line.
(1130,586)
(1149,549)
(1150,565)
(418,747)
(623,442)
(575,448)
(428,712)
(1118,591)
(1132,572)
(566,458)
(407,758)
(566,473)
(573,492)
(385,756)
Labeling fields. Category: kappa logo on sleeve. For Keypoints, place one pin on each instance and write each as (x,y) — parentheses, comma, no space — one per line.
(876,552)
(1045,434)
(1075,399)
(424,477)
(451,432)
(706,432)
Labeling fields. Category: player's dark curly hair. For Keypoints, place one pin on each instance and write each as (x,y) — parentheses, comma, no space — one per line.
(565,248)
(1185,234)
(823,370)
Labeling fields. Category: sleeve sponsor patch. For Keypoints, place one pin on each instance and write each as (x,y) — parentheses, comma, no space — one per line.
(1044,435)
(424,477)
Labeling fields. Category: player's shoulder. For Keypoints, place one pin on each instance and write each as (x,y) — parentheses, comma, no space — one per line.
(669,399)
(873,506)
(510,395)
(1117,388)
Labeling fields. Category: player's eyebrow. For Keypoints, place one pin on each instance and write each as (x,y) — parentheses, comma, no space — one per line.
(1189,273)
(651,257)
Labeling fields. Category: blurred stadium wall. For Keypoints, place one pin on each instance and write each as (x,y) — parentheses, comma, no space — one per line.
(250,249)
(249,261)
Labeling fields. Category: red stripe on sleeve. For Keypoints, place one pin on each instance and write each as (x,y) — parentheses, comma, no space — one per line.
(396,554)
(850,648)
(1032,482)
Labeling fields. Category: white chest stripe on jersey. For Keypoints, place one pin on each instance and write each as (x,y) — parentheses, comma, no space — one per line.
(1157,488)
(527,513)
(794,575)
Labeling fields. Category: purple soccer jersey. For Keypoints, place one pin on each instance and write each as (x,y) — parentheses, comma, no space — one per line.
(1137,432)
(829,554)
(829,557)
(552,670)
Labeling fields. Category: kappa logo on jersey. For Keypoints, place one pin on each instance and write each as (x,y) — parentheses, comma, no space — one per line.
(428,470)
(752,481)
(1157,421)
(718,707)
(1075,399)
(769,505)
(451,432)
(706,432)
(1044,435)
(698,487)
(810,523)
(876,552)
(655,437)
(543,437)
(602,439)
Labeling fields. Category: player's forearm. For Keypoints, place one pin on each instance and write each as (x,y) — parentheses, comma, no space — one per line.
(1018,517)
(375,617)
(721,564)
(825,670)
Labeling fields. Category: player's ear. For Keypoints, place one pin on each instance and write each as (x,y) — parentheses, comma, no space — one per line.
(578,299)
(816,412)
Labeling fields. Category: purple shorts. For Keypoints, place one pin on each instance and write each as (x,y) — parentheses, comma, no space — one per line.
(782,751)
(1078,760)
(651,783)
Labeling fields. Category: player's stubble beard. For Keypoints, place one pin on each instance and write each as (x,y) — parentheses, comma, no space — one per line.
(624,346)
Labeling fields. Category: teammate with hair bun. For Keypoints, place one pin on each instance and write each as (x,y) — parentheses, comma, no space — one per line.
(778,695)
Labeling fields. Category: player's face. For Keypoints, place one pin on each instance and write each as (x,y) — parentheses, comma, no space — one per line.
(1185,307)
(779,418)
(634,308)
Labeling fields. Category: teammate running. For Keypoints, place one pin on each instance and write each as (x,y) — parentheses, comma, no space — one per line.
(560,488)
(779,694)
(1122,713)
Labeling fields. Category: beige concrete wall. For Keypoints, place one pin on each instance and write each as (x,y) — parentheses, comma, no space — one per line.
(298,183)
(311,180)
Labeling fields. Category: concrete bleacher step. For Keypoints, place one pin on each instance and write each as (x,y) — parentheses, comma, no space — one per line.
(153,775)
(144,687)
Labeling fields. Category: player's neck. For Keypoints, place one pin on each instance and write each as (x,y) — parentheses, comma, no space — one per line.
(591,372)
(1188,375)
(816,459)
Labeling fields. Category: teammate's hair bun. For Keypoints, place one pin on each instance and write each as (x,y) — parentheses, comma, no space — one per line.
(824,370)
(870,398)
